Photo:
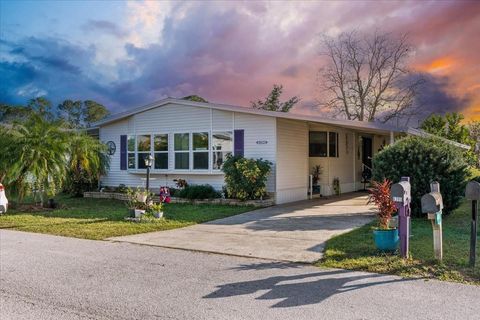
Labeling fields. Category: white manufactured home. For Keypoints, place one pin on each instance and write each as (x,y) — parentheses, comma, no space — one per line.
(190,140)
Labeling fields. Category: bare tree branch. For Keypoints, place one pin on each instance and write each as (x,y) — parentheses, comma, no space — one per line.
(367,77)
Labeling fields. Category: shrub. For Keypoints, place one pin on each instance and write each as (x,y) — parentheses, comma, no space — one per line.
(246,178)
(79,183)
(424,160)
(192,192)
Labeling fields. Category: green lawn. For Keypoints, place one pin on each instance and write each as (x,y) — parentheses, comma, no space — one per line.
(104,218)
(355,250)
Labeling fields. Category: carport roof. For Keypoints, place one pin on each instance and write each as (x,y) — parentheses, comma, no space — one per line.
(374,127)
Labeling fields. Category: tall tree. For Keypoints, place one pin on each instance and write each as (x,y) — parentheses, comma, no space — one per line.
(43,107)
(450,126)
(87,161)
(72,112)
(474,131)
(93,112)
(272,101)
(9,114)
(80,114)
(195,98)
(39,149)
(367,77)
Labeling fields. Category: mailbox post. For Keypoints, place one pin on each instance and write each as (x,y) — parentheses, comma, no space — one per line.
(472,193)
(401,195)
(432,205)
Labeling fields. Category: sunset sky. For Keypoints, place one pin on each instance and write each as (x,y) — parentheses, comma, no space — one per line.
(125,54)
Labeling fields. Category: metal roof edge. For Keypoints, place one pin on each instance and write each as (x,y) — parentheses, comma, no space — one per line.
(422,133)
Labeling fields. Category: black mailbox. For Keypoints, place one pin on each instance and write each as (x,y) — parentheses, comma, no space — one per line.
(472,191)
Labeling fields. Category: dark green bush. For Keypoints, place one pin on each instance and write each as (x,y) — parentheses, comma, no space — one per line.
(77,184)
(424,160)
(192,192)
(246,178)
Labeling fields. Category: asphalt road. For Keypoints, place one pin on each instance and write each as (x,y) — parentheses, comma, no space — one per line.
(48,277)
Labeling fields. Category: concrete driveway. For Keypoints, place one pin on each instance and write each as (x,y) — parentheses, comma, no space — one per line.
(294,232)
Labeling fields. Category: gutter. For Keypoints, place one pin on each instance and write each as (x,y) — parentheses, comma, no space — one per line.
(422,133)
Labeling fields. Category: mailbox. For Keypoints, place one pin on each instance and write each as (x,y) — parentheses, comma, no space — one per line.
(400,192)
(432,202)
(472,192)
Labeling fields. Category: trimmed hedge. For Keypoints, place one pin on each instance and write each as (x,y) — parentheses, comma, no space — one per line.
(197,192)
(424,160)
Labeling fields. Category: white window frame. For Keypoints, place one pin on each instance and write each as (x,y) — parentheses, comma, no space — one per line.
(137,158)
(232,132)
(155,152)
(207,151)
(189,151)
(337,144)
(172,152)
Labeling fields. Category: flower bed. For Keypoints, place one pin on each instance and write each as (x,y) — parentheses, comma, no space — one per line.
(233,202)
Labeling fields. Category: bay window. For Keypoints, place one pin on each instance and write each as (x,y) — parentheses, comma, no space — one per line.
(222,146)
(182,151)
(160,151)
(190,151)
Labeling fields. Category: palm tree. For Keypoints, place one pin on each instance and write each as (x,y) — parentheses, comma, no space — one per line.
(36,157)
(87,162)
(7,153)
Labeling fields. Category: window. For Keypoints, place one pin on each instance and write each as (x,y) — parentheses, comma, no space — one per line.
(318,144)
(182,151)
(143,150)
(131,152)
(333,144)
(160,151)
(200,150)
(222,146)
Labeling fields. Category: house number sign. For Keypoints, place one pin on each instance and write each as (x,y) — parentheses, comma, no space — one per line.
(262,142)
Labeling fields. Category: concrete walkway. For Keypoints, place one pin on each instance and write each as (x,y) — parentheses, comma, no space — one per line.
(294,232)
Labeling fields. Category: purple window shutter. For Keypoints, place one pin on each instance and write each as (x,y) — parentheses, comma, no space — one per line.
(123,152)
(238,148)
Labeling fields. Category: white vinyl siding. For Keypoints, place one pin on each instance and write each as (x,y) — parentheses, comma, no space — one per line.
(259,140)
(292,161)
(170,119)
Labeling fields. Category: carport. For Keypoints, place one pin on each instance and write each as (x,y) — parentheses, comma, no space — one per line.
(291,232)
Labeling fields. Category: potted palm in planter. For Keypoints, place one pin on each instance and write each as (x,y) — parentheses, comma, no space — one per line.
(385,237)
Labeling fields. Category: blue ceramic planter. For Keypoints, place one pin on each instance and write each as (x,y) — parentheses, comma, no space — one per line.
(386,240)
